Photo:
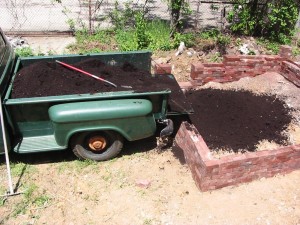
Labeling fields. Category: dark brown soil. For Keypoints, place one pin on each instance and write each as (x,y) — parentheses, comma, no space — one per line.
(51,79)
(238,120)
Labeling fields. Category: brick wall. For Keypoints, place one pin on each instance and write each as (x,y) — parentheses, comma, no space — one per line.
(291,71)
(210,173)
(235,67)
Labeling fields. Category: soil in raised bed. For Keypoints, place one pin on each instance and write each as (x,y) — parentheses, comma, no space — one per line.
(238,120)
(51,79)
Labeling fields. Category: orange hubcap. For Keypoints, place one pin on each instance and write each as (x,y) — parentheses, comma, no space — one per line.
(97,143)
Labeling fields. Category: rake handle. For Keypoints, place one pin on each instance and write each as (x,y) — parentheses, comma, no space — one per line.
(85,72)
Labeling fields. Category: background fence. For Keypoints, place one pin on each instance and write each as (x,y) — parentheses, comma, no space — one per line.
(49,16)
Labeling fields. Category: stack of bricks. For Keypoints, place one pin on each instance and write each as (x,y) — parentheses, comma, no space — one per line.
(210,173)
(162,68)
(285,51)
(234,67)
(291,71)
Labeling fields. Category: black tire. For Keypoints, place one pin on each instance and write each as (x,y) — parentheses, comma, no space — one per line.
(81,145)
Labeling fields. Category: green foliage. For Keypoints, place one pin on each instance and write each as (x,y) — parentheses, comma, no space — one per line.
(296,51)
(141,35)
(152,35)
(221,41)
(126,40)
(272,46)
(281,20)
(274,21)
(216,57)
(209,34)
(241,19)
(24,52)
(159,34)
(101,40)
(120,17)
(31,198)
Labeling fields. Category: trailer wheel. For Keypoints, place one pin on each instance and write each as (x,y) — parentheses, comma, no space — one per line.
(97,146)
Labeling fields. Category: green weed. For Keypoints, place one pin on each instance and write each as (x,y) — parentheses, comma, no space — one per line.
(216,57)
(31,198)
(269,45)
(25,52)
(17,169)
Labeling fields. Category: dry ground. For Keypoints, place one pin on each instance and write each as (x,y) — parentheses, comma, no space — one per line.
(142,186)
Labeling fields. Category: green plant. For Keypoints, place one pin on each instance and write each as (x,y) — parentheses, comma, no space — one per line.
(41,200)
(51,52)
(17,169)
(25,52)
(222,42)
(187,38)
(274,20)
(31,197)
(208,34)
(216,57)
(296,51)
(122,17)
(272,46)
(241,19)
(126,40)
(141,35)
(281,20)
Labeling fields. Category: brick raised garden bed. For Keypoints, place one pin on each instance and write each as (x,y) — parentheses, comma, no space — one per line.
(210,173)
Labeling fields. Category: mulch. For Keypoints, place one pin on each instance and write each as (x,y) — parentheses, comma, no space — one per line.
(238,120)
(42,79)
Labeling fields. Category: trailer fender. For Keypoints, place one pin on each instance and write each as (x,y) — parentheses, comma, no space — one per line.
(132,118)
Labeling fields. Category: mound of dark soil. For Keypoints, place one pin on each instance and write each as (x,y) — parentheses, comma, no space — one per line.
(52,79)
(237,120)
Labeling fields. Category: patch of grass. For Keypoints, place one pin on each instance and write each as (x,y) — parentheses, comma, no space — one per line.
(126,40)
(216,57)
(156,32)
(30,198)
(41,200)
(209,34)
(81,164)
(2,192)
(25,52)
(272,46)
(296,51)
(19,168)
(101,40)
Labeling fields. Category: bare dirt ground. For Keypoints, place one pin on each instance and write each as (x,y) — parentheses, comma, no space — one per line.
(142,186)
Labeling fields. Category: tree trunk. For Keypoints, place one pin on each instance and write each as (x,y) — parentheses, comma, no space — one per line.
(175,8)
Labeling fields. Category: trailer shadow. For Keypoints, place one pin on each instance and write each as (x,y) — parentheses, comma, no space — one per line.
(130,148)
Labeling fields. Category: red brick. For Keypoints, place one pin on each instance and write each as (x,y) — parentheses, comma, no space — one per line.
(231,58)
(220,65)
(196,70)
(161,68)
(296,147)
(253,57)
(274,58)
(185,84)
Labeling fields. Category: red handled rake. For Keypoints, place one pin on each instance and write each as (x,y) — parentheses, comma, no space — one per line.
(84,72)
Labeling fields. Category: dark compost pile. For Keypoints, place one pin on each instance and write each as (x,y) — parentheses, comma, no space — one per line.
(52,79)
(238,120)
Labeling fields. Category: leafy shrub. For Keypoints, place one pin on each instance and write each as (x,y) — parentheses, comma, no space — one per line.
(275,20)
(24,52)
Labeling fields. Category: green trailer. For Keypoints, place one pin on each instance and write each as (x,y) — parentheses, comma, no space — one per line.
(93,125)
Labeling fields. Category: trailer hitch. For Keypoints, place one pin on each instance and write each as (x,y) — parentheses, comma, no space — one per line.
(165,133)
